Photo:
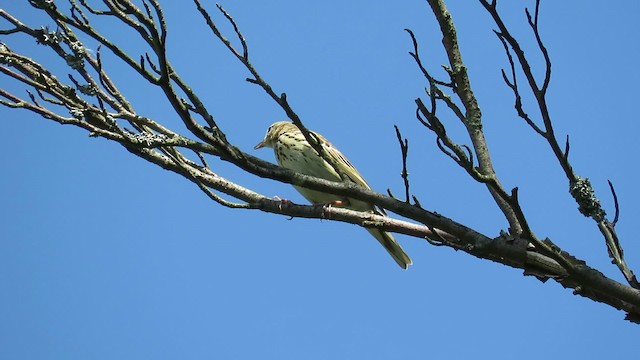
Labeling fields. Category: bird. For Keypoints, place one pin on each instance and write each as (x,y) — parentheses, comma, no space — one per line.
(294,152)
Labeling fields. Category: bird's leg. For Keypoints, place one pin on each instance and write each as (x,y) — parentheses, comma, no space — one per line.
(338,203)
(282,201)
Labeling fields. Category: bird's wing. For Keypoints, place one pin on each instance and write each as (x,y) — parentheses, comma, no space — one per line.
(349,170)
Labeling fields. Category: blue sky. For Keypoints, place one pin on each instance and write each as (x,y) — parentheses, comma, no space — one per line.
(105,256)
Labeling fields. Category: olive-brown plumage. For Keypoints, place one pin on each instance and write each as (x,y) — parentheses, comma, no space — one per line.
(294,152)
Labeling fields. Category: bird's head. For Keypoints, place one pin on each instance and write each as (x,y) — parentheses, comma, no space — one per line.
(275,130)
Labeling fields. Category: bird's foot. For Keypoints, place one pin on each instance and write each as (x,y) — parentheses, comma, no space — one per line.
(282,201)
(340,203)
(337,203)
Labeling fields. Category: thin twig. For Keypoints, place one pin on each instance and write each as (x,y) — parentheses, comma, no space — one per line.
(404,150)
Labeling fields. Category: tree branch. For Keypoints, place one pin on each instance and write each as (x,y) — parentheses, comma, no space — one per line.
(74,103)
(579,188)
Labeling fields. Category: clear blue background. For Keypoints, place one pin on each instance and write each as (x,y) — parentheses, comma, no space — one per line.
(105,256)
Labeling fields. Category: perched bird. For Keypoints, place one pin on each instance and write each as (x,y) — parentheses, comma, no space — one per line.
(294,152)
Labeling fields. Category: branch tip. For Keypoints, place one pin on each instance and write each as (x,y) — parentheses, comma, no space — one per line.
(615,203)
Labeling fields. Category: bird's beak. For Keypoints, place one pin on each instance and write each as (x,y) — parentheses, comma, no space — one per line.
(260,145)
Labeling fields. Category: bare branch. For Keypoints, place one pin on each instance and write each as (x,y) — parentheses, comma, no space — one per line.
(512,83)
(404,150)
(92,101)
(472,117)
(615,202)
(579,188)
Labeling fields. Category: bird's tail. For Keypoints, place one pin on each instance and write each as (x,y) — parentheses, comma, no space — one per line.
(392,247)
